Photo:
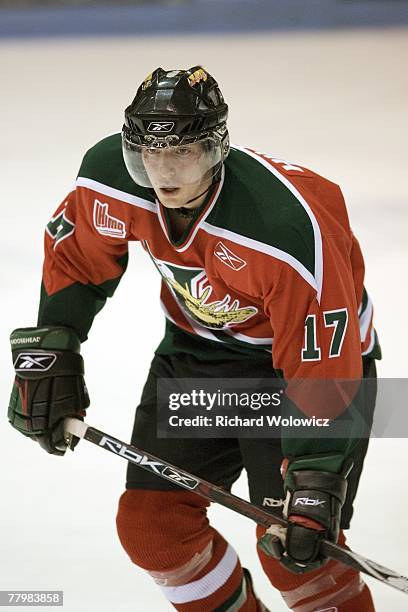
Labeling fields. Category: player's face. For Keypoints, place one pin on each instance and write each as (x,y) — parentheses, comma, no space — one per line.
(177,174)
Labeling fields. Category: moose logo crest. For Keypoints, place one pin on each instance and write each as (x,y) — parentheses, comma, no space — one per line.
(195,295)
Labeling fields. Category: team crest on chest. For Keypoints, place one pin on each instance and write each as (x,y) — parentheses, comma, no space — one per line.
(195,295)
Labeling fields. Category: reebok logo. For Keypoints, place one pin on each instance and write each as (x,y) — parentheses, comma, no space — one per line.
(309,501)
(328,610)
(34,362)
(270,502)
(105,224)
(114,446)
(185,481)
(227,257)
(160,126)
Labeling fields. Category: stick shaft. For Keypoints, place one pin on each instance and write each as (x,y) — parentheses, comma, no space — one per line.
(188,481)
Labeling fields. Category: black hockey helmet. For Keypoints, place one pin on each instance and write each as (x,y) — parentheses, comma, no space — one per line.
(172,109)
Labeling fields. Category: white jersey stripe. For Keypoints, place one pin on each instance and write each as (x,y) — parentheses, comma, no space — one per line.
(205,586)
(318,272)
(263,248)
(162,222)
(248,339)
(116,193)
(166,312)
(365,319)
(372,342)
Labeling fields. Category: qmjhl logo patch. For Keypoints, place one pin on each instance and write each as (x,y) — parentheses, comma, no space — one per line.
(105,224)
(34,362)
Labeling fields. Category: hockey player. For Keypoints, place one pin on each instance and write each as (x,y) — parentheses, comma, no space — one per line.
(256,257)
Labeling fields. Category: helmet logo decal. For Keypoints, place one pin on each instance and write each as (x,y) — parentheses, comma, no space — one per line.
(147,82)
(197,76)
(160,126)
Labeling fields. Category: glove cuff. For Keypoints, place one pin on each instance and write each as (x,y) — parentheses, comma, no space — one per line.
(334,485)
(57,338)
(41,352)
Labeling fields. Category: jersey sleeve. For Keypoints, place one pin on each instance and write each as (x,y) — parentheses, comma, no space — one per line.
(86,252)
(317,346)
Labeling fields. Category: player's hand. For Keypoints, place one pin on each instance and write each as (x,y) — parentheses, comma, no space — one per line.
(49,385)
(314,499)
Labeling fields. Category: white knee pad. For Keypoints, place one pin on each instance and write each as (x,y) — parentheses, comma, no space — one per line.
(184,573)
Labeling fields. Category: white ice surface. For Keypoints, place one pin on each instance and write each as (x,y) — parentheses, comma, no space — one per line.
(335,102)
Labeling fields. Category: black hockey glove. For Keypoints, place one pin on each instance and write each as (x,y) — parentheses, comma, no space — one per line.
(49,385)
(314,499)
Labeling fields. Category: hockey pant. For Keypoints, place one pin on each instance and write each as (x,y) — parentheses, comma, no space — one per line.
(167,533)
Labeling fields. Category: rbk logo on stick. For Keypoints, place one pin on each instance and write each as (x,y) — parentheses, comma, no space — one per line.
(144,460)
(34,362)
(228,257)
(106,224)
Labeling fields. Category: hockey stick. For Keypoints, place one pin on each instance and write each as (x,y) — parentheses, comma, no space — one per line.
(214,493)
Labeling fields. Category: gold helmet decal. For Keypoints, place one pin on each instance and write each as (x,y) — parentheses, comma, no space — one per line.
(197,76)
(147,82)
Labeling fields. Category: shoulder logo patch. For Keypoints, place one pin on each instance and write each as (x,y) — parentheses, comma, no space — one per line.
(227,257)
(60,227)
(105,224)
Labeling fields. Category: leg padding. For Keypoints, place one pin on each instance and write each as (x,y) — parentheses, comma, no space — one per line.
(333,585)
(168,534)
(162,529)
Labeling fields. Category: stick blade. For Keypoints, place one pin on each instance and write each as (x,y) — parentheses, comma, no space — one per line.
(362,564)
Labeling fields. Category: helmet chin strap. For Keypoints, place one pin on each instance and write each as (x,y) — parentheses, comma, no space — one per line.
(185,211)
(201,194)
(215,179)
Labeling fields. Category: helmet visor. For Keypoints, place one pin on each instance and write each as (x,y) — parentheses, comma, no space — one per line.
(162,164)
